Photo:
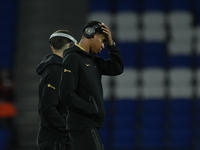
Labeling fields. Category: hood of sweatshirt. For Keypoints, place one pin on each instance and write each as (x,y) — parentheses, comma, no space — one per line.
(78,49)
(50,59)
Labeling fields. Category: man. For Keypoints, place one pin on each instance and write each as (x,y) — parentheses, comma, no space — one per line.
(52,133)
(81,87)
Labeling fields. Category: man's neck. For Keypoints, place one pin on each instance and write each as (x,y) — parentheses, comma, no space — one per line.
(84,45)
(59,54)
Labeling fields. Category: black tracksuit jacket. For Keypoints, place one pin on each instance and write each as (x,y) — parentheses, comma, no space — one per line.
(81,87)
(51,110)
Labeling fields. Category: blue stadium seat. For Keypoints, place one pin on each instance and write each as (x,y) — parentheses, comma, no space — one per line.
(124,139)
(156,62)
(181,120)
(198,145)
(127,5)
(103,5)
(197,11)
(124,121)
(198,136)
(7,48)
(154,54)
(153,114)
(107,130)
(7,26)
(153,139)
(125,114)
(7,8)
(180,5)
(119,123)
(7,30)
(180,138)
(198,108)
(7,44)
(153,106)
(107,104)
(4,138)
(8,12)
(130,54)
(181,61)
(181,106)
(198,103)
(109,114)
(6,61)
(6,37)
(154,5)
(153,121)
(126,106)
(151,49)
(197,61)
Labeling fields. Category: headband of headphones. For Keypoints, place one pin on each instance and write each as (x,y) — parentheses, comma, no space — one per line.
(63,35)
(97,26)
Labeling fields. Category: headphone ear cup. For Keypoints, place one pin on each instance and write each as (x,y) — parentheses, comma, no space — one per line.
(89,32)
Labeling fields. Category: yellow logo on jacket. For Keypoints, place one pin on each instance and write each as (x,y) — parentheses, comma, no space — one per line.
(49,85)
(65,70)
(87,65)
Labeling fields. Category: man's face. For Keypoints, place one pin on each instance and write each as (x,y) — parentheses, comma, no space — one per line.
(97,44)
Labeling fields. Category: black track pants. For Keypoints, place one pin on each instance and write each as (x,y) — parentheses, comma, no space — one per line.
(45,144)
(88,139)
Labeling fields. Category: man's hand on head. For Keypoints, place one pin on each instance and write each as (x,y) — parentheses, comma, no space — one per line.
(108,32)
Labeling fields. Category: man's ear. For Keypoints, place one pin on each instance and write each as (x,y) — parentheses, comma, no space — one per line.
(52,48)
(92,38)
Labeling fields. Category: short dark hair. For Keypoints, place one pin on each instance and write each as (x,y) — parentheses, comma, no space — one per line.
(59,42)
(92,23)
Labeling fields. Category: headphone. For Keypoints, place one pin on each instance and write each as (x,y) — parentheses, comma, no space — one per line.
(90,31)
(64,35)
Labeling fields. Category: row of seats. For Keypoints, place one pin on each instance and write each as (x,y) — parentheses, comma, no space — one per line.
(155,77)
(147,19)
(154,83)
(154,124)
(176,24)
(143,5)
(156,54)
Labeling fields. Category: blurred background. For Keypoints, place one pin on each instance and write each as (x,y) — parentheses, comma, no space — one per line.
(153,105)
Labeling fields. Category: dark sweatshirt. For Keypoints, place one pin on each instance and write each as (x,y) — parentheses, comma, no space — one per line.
(51,110)
(81,87)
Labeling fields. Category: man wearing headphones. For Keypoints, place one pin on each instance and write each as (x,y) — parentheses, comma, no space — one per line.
(52,132)
(81,87)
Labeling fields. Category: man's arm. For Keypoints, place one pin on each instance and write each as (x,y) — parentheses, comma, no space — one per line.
(68,86)
(114,65)
(50,99)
